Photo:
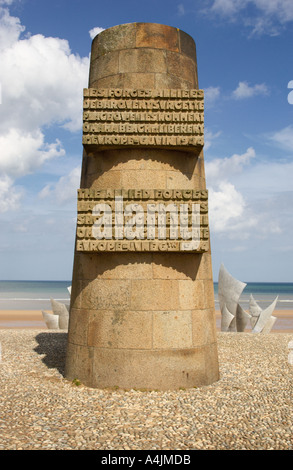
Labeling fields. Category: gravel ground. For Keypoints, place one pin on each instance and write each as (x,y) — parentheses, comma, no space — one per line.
(249,408)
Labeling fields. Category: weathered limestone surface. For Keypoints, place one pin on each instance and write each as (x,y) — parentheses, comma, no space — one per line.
(142,319)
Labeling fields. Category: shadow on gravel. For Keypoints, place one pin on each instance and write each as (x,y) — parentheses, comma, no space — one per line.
(53,347)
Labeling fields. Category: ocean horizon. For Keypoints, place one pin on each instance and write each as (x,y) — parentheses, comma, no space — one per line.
(32,295)
(36,295)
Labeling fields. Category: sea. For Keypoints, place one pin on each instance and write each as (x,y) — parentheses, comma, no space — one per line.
(36,295)
(264,293)
(32,295)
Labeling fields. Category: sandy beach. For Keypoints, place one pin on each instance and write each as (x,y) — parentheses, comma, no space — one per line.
(22,319)
(34,319)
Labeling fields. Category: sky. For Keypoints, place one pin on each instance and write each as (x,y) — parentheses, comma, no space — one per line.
(245,67)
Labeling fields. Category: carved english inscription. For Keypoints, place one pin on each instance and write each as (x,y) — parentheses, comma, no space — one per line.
(142,220)
(115,118)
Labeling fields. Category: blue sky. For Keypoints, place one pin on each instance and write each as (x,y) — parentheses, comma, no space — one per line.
(244,50)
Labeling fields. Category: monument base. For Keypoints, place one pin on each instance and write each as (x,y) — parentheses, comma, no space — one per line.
(143,370)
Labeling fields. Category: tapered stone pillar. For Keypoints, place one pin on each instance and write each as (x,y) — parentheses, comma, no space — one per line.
(142,309)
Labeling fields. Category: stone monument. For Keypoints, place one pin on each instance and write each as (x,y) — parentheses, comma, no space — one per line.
(142,301)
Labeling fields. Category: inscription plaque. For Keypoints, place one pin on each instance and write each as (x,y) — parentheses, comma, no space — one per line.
(142,220)
(114,118)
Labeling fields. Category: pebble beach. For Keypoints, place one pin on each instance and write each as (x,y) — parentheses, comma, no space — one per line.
(249,408)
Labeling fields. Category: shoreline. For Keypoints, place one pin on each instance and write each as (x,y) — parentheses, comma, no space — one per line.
(18,319)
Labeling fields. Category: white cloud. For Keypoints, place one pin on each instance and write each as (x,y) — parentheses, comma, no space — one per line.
(250,198)
(10,28)
(94,31)
(41,86)
(283,138)
(181,9)
(42,83)
(211,94)
(281,9)
(226,203)
(227,7)
(10,197)
(244,90)
(209,137)
(290,95)
(262,16)
(223,168)
(24,152)
(65,190)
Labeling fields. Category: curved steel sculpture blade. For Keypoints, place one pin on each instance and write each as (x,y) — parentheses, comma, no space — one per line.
(229,291)
(62,310)
(254,310)
(226,319)
(242,318)
(269,325)
(51,320)
(233,316)
(264,317)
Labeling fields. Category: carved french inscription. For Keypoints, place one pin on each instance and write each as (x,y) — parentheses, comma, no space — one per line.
(142,220)
(115,118)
